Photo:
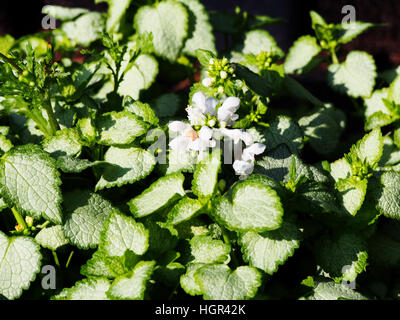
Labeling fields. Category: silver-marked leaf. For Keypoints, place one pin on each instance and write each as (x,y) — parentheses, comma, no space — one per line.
(129,165)
(218,282)
(250,205)
(118,128)
(86,289)
(133,285)
(51,238)
(206,174)
(205,249)
(64,143)
(86,214)
(355,76)
(184,210)
(168,22)
(303,50)
(30,181)
(270,249)
(19,263)
(162,192)
(123,233)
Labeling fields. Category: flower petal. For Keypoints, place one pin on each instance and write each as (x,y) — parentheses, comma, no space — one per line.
(231,104)
(205,133)
(199,101)
(243,167)
(179,143)
(211,103)
(178,126)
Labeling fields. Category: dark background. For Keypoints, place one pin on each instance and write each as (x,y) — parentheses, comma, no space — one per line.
(24,17)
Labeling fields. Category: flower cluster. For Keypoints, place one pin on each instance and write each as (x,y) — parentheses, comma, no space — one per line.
(217,73)
(210,122)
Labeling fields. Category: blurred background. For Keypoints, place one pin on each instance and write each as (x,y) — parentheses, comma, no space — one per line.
(23,17)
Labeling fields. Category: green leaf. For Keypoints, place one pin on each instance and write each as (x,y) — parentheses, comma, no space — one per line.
(86,214)
(162,237)
(204,56)
(322,130)
(141,110)
(388,195)
(179,161)
(353,29)
(168,22)
(63,13)
(19,263)
(218,282)
(370,147)
(64,143)
(340,169)
(206,174)
(188,281)
(256,41)
(284,130)
(352,191)
(161,193)
(30,181)
(6,43)
(129,165)
(85,29)
(139,76)
(86,289)
(355,76)
(5,144)
(118,128)
(270,249)
(343,257)
(51,238)
(205,249)
(329,290)
(276,165)
(300,55)
(74,165)
(123,233)
(184,210)
(116,10)
(133,285)
(394,91)
(250,205)
(378,119)
(96,266)
(202,36)
(254,81)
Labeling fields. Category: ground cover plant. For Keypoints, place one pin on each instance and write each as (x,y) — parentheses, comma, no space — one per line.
(137,162)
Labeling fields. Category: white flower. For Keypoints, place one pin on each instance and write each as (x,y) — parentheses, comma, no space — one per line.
(201,106)
(226,113)
(243,168)
(189,139)
(203,142)
(236,135)
(251,151)
(186,135)
(206,105)
(208,82)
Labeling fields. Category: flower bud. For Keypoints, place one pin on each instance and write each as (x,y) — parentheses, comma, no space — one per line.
(223,75)
(211,123)
(220,90)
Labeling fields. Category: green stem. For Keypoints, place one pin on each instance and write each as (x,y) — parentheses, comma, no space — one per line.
(19,218)
(335,59)
(2,56)
(69,259)
(56,258)
(52,118)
